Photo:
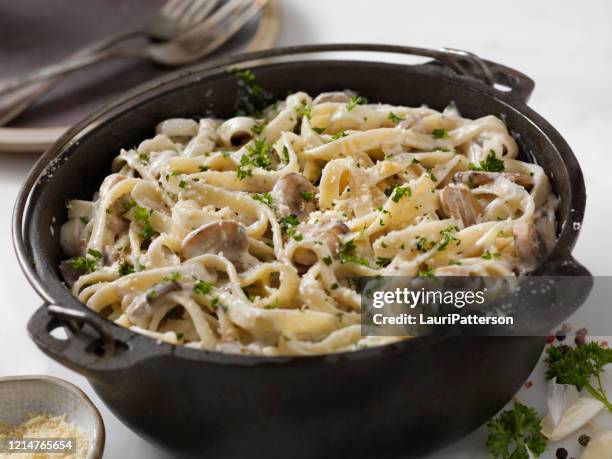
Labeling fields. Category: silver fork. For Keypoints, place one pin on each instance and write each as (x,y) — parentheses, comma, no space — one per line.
(188,47)
(174,18)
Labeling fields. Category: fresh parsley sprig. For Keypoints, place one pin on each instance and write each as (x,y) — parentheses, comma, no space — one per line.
(355,100)
(518,430)
(581,366)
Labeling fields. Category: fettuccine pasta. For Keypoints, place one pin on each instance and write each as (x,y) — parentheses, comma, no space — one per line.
(244,235)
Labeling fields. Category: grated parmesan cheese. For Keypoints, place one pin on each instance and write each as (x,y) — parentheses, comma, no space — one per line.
(45,426)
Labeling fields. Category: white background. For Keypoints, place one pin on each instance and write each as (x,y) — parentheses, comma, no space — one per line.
(565,46)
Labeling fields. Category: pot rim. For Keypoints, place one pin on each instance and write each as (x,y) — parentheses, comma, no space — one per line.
(23,206)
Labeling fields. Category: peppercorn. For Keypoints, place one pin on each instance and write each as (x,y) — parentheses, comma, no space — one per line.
(581,332)
(561,453)
(560,335)
(584,439)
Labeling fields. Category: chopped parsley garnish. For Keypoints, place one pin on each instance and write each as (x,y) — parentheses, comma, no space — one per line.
(306,195)
(415,161)
(335,286)
(125,268)
(439,134)
(318,130)
(182,184)
(289,220)
(203,168)
(128,205)
(580,366)
(142,215)
(347,254)
(355,100)
(305,111)
(400,192)
(143,157)
(258,128)
(203,287)
(389,190)
(423,244)
(257,155)
(428,272)
(448,236)
(285,153)
(454,262)
(289,223)
(515,433)
(295,234)
(327,260)
(490,164)
(490,255)
(86,264)
(393,117)
(382,261)
(470,182)
(264,198)
(84,220)
(173,276)
(431,175)
(252,98)
(94,253)
(244,169)
(339,135)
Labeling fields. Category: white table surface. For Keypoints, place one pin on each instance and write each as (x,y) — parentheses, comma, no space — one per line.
(565,46)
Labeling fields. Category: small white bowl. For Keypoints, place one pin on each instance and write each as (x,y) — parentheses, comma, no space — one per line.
(22,395)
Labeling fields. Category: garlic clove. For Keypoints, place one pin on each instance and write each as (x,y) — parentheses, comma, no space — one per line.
(574,417)
(600,447)
(560,398)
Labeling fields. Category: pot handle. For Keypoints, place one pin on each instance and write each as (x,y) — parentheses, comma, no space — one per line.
(87,343)
(505,82)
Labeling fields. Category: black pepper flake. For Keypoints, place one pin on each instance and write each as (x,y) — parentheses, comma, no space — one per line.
(561,453)
(584,439)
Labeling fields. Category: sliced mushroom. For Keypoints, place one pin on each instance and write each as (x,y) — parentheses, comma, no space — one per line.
(478,178)
(329,234)
(70,236)
(459,203)
(227,238)
(69,272)
(237,131)
(142,308)
(294,195)
(334,96)
(527,244)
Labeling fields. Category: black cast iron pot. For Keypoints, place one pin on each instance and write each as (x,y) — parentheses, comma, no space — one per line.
(400,400)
